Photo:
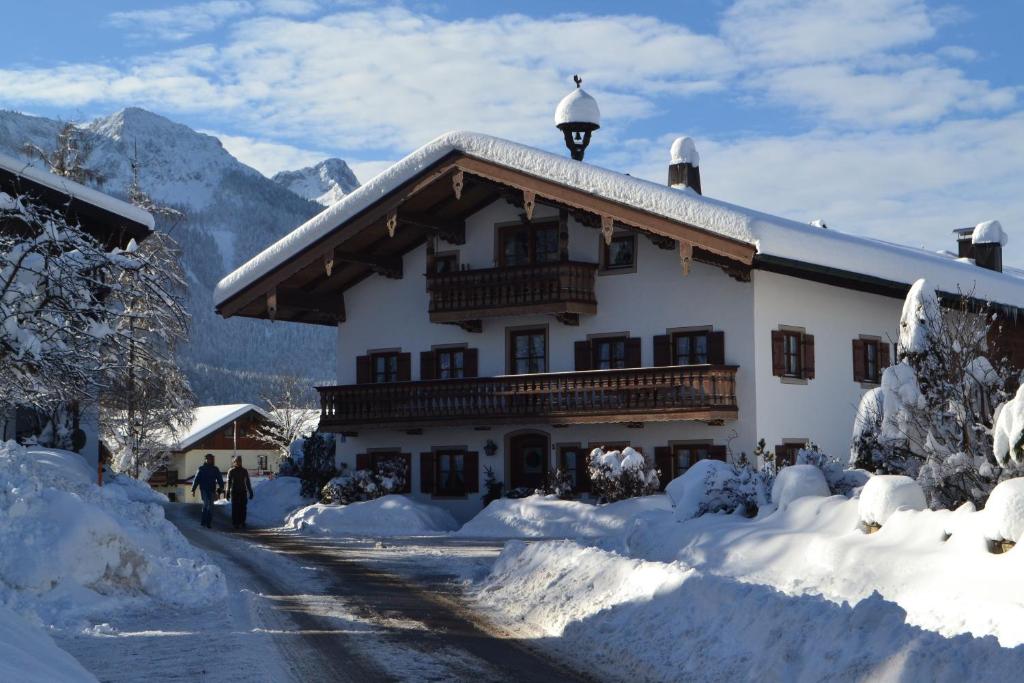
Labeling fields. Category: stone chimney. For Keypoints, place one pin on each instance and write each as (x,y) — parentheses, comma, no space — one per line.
(983,243)
(684,167)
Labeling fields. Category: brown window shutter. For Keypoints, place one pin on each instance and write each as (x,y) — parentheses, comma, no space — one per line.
(406,459)
(662,350)
(883,357)
(471,363)
(363,461)
(633,352)
(778,362)
(404,367)
(807,342)
(582,353)
(426,472)
(663,461)
(859,371)
(363,370)
(716,348)
(471,471)
(427,369)
(716,453)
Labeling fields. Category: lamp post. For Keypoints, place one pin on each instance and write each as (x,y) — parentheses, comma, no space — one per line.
(577,116)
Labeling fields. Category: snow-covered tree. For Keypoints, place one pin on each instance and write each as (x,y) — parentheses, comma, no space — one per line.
(317,463)
(67,159)
(290,403)
(932,419)
(617,475)
(385,477)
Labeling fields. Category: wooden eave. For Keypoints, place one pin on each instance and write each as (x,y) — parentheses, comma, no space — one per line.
(109,228)
(310,286)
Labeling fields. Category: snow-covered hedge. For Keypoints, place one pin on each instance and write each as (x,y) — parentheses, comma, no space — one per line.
(1004,511)
(798,481)
(617,475)
(715,486)
(387,477)
(884,494)
(388,516)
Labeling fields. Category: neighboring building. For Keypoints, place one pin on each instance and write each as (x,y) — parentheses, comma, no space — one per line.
(225,431)
(113,223)
(502,307)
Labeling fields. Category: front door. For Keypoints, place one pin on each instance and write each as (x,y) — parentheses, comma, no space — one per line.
(528,455)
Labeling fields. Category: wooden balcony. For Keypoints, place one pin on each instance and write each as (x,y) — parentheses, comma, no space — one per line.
(684,392)
(561,288)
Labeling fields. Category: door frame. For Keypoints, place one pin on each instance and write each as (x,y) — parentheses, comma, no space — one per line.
(510,441)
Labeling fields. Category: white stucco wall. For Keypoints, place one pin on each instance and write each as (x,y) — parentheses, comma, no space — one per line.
(822,409)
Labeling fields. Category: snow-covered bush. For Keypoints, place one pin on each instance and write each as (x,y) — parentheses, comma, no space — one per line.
(841,480)
(884,494)
(716,486)
(317,464)
(385,477)
(1004,511)
(798,481)
(617,475)
(936,404)
(492,487)
(1008,431)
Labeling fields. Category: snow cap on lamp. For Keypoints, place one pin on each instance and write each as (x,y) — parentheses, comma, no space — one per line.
(577,116)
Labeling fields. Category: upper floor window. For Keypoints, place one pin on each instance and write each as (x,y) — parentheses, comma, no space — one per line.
(530,243)
(690,348)
(870,357)
(528,351)
(792,354)
(620,254)
(446,263)
(609,353)
(450,363)
(384,366)
(791,361)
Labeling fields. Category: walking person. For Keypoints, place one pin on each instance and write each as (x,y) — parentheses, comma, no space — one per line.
(238,487)
(210,483)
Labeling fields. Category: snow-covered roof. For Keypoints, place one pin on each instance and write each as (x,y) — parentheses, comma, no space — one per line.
(770,235)
(684,151)
(76,190)
(208,419)
(577,107)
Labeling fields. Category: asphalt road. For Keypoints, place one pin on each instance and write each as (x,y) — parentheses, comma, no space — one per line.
(335,614)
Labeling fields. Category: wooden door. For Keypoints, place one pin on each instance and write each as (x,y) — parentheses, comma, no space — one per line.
(528,461)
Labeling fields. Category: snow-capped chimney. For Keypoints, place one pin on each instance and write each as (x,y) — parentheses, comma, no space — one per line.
(984,243)
(684,168)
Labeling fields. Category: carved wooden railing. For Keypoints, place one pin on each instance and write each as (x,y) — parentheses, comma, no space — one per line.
(697,392)
(557,287)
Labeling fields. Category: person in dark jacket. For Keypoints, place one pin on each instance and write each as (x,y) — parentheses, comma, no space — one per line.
(238,487)
(210,483)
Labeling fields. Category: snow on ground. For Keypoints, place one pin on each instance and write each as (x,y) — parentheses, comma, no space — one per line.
(29,655)
(392,515)
(549,517)
(640,620)
(274,499)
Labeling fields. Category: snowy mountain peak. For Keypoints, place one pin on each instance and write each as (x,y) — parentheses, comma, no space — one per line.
(325,183)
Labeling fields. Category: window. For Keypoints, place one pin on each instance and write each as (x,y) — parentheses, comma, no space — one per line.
(573,461)
(527,351)
(446,263)
(384,367)
(871,361)
(451,473)
(261,463)
(870,357)
(685,456)
(609,353)
(791,354)
(785,454)
(690,348)
(620,254)
(229,431)
(521,245)
(450,363)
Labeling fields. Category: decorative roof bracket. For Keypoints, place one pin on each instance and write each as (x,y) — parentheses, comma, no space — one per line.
(529,201)
(458,182)
(685,255)
(607,228)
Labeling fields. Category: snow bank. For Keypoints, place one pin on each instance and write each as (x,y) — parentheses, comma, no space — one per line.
(653,621)
(1008,430)
(392,515)
(1004,511)
(29,655)
(798,481)
(549,517)
(696,489)
(72,550)
(274,499)
(884,494)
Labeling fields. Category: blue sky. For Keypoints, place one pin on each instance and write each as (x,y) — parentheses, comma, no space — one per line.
(899,119)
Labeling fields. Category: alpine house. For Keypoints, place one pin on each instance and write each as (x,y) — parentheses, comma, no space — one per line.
(503,308)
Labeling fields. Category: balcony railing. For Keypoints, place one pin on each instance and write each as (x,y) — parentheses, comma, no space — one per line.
(559,287)
(682,392)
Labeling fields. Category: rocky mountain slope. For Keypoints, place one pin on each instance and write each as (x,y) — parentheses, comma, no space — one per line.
(231,213)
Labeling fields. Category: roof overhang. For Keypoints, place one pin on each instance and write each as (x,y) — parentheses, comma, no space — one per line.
(309,286)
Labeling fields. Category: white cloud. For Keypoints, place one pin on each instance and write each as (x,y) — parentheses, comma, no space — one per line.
(290,7)
(181,21)
(268,157)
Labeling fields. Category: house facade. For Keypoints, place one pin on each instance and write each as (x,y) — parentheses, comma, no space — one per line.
(504,309)
(226,431)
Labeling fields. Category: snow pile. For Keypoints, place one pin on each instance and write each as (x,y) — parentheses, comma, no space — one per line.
(920,310)
(885,494)
(653,621)
(1004,511)
(29,655)
(391,515)
(577,107)
(798,481)
(550,517)
(1008,430)
(989,232)
(707,486)
(684,151)
(274,499)
(72,550)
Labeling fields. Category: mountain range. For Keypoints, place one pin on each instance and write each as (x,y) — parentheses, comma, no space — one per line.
(231,212)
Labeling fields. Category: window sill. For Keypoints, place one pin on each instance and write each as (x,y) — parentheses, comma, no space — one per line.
(870,385)
(617,271)
(445,496)
(792,380)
